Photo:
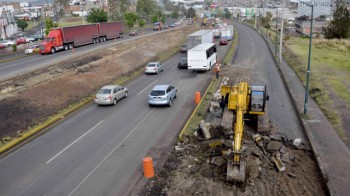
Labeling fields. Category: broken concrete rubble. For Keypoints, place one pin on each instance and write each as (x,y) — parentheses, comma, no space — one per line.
(273,146)
(205,129)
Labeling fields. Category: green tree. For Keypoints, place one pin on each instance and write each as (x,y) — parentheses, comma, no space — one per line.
(49,24)
(96,16)
(190,13)
(142,23)
(175,13)
(22,24)
(339,27)
(155,18)
(265,20)
(117,9)
(227,14)
(146,7)
(131,19)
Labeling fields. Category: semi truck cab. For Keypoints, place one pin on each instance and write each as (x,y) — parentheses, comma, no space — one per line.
(52,42)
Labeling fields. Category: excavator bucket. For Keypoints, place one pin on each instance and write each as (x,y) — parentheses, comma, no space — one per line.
(235,171)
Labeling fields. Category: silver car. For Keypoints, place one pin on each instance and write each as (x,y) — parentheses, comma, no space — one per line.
(110,94)
(162,95)
(154,67)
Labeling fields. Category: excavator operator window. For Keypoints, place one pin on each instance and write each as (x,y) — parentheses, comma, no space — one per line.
(257,101)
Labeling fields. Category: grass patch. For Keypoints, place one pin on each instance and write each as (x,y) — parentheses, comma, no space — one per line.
(229,55)
(330,73)
(201,110)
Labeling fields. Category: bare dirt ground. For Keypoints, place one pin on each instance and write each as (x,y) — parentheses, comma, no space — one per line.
(197,167)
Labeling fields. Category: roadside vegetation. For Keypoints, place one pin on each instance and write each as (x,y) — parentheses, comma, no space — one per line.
(330,74)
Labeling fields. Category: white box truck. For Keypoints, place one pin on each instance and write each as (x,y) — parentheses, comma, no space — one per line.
(201,57)
(227,32)
(199,37)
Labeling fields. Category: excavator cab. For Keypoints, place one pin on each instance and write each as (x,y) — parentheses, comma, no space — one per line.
(258,99)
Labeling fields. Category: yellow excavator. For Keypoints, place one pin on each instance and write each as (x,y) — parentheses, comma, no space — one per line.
(244,100)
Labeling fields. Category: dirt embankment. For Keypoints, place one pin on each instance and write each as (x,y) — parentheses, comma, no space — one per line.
(31,99)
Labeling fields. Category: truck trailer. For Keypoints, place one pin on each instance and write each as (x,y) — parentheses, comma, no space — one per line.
(199,37)
(227,32)
(66,38)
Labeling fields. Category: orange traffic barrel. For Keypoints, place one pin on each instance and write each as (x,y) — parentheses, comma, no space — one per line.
(197,97)
(148,170)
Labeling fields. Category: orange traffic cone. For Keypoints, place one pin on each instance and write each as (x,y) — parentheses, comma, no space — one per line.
(148,167)
(197,98)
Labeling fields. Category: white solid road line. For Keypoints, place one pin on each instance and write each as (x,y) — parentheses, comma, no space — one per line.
(147,87)
(73,142)
(110,153)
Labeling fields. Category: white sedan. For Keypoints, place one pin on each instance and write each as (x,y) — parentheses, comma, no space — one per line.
(32,49)
(154,67)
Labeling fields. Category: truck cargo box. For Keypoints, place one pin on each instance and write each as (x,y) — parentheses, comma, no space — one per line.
(111,30)
(199,37)
(80,35)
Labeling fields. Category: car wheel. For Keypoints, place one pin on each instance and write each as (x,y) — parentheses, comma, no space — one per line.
(114,101)
(158,71)
(150,105)
(169,104)
(65,47)
(175,95)
(53,50)
(126,94)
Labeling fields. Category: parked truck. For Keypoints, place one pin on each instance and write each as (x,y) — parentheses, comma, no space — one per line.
(66,38)
(227,32)
(199,37)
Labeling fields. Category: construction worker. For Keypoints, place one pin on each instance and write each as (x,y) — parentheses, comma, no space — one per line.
(217,70)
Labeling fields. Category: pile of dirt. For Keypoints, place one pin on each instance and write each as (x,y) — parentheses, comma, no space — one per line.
(275,165)
(30,99)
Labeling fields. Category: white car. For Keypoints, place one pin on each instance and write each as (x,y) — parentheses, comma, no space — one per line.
(30,39)
(7,43)
(110,94)
(154,67)
(31,49)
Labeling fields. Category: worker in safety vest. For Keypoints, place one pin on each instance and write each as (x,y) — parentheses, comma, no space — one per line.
(217,70)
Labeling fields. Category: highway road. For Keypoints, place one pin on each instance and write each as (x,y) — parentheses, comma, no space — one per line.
(24,65)
(253,53)
(96,150)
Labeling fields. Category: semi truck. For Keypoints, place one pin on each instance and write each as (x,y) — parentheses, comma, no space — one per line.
(227,32)
(66,38)
(199,37)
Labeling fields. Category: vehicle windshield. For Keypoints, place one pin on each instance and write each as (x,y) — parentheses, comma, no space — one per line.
(157,93)
(48,39)
(151,65)
(104,91)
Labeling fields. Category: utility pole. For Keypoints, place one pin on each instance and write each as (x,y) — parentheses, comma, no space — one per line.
(276,33)
(281,38)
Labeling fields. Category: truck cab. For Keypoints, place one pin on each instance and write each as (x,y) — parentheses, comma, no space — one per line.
(52,42)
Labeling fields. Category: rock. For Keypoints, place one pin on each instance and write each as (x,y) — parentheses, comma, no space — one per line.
(285,157)
(218,161)
(278,163)
(266,139)
(292,175)
(283,150)
(275,137)
(217,96)
(218,113)
(214,106)
(195,133)
(256,153)
(205,129)
(178,148)
(297,142)
(207,173)
(273,146)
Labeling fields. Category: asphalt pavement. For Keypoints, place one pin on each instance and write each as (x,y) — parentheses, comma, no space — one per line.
(332,155)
